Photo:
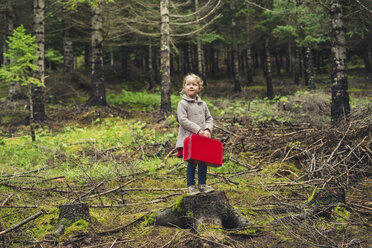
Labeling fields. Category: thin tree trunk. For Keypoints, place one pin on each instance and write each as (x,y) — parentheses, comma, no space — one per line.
(200,56)
(296,67)
(150,69)
(267,69)
(277,61)
(367,56)
(124,63)
(32,129)
(340,106)
(309,75)
(190,57)
(249,78)
(235,69)
(68,55)
(165,107)
(37,91)
(87,56)
(288,60)
(97,94)
(15,91)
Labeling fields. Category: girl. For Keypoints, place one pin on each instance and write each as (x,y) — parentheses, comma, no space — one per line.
(193,117)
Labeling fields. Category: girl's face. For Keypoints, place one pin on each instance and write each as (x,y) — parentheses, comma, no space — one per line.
(191,87)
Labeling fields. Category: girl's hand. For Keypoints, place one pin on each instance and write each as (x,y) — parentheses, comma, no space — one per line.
(201,133)
(207,133)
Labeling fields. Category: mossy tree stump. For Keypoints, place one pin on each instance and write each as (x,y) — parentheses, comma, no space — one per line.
(321,203)
(70,213)
(191,211)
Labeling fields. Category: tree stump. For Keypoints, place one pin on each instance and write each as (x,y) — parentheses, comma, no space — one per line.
(331,196)
(70,213)
(320,204)
(207,208)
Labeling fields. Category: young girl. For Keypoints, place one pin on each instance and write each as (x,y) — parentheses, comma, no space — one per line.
(193,117)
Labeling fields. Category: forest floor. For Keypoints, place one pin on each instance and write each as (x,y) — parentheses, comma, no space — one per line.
(121,161)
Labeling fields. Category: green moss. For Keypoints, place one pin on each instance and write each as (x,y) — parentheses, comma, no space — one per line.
(178,206)
(150,220)
(312,195)
(340,214)
(77,227)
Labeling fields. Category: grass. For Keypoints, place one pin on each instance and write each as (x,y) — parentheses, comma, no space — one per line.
(110,149)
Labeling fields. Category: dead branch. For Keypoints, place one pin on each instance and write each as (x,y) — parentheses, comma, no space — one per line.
(22,223)
(90,191)
(113,190)
(126,205)
(6,200)
(8,206)
(116,230)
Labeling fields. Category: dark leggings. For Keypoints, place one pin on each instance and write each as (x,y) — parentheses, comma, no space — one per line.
(202,174)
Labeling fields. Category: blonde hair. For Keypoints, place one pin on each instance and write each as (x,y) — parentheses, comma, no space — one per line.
(198,80)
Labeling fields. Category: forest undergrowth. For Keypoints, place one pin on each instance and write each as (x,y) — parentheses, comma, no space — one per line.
(121,160)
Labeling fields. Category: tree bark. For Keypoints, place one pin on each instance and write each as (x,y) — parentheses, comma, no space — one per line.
(200,54)
(267,69)
(288,59)
(249,65)
(150,69)
(367,56)
(68,55)
(191,211)
(340,106)
(296,67)
(38,92)
(165,106)
(15,91)
(97,94)
(309,75)
(235,69)
(277,61)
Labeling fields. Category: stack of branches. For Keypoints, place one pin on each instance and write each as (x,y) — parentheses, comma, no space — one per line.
(335,155)
(339,155)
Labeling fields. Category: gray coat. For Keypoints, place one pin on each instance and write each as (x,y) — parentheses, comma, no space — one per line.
(193,115)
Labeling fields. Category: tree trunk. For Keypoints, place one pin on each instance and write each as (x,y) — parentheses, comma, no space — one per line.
(190,57)
(150,69)
(277,61)
(38,92)
(214,60)
(68,55)
(340,107)
(288,59)
(367,56)
(235,69)
(296,67)
(200,56)
(97,94)
(309,75)
(165,106)
(249,78)
(124,63)
(267,69)
(191,211)
(15,91)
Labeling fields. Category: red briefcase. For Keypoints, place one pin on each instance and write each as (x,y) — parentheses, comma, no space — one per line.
(202,150)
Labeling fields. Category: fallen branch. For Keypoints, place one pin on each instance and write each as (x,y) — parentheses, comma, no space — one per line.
(113,190)
(90,191)
(18,207)
(6,200)
(122,227)
(126,205)
(22,223)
